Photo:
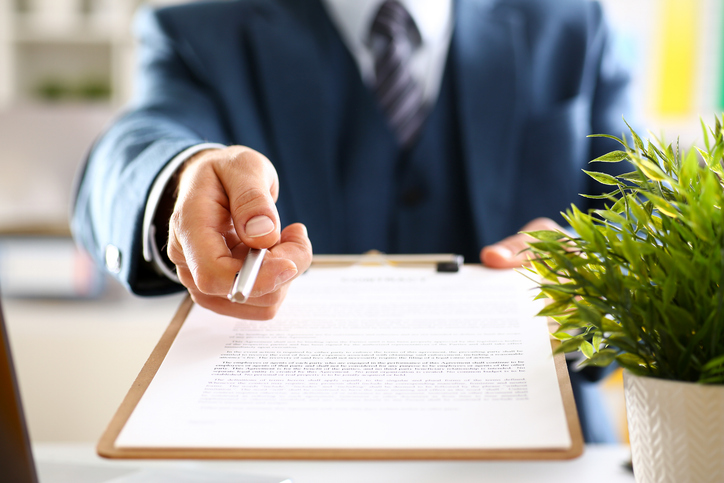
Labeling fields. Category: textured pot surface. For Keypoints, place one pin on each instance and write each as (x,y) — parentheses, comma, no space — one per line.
(676,430)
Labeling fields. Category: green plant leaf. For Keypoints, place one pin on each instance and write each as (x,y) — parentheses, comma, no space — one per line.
(588,313)
(611,216)
(642,282)
(706,134)
(717,362)
(586,349)
(635,177)
(602,358)
(571,344)
(713,371)
(663,206)
(546,235)
(558,292)
(612,157)
(641,216)
(652,171)
(632,362)
(713,159)
(669,290)
(581,223)
(605,196)
(608,325)
(596,341)
(638,144)
(619,206)
(544,271)
(561,335)
(620,141)
(602,178)
(624,343)
(556,308)
(689,169)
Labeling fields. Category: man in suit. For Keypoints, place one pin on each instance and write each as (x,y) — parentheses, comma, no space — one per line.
(252,113)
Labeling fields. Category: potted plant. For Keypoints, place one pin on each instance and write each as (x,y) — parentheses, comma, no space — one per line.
(641,284)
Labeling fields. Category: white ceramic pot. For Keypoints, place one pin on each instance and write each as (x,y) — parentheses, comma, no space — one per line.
(676,430)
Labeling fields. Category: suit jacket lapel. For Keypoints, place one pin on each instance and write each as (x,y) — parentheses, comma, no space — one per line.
(288,48)
(488,51)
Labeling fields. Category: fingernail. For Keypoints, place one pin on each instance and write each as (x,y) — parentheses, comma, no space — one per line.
(285,276)
(259,226)
(504,252)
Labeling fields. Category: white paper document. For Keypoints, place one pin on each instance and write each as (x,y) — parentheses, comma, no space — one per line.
(364,357)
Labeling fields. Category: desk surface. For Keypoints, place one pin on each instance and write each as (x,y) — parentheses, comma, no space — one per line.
(76,359)
(599,464)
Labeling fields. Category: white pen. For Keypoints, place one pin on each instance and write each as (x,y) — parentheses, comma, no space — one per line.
(246,278)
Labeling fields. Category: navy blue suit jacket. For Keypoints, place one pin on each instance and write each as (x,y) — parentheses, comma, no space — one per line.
(532,77)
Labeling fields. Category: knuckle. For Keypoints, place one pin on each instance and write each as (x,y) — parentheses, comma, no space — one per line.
(255,165)
(174,247)
(174,220)
(250,161)
(251,158)
(205,283)
(186,279)
(252,196)
(175,254)
(197,298)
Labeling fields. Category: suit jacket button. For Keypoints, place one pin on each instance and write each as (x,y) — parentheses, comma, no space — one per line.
(412,197)
(113,258)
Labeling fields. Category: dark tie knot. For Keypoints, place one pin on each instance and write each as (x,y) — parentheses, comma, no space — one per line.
(394,23)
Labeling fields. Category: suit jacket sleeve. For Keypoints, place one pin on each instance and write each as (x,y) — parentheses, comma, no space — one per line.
(170,112)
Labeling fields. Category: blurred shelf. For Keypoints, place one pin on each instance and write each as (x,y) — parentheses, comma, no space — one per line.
(50,49)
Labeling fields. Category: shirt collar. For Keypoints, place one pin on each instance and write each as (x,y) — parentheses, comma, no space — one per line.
(354,19)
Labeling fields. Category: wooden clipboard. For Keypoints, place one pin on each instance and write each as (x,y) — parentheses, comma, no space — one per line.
(106,446)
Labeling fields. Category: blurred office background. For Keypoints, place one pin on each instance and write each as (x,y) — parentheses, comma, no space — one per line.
(67,65)
(65,70)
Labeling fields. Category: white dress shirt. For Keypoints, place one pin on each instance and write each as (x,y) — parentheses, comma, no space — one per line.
(353,19)
(434,20)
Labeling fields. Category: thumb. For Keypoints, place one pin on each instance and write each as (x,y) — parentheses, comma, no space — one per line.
(252,186)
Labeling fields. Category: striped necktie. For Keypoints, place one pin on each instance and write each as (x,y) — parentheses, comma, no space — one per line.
(394,37)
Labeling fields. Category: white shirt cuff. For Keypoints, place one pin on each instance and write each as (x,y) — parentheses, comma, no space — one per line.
(151,252)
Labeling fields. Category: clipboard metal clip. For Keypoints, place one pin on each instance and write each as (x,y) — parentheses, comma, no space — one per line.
(444,262)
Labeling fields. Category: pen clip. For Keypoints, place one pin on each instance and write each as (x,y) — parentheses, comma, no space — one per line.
(246,278)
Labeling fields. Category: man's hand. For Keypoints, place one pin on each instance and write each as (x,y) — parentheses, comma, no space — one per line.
(226,204)
(509,253)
